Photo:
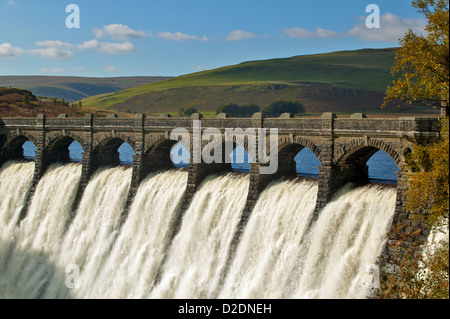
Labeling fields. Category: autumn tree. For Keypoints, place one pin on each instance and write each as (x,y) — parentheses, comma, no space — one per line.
(422,62)
(422,67)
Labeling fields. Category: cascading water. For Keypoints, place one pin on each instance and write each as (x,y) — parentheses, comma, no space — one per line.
(39,234)
(277,256)
(92,232)
(132,265)
(342,247)
(269,245)
(200,249)
(15,180)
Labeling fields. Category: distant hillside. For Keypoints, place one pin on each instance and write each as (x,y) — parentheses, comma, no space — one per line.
(16,102)
(75,88)
(343,81)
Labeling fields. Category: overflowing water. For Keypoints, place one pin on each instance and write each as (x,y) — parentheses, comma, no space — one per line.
(281,253)
(15,180)
(199,251)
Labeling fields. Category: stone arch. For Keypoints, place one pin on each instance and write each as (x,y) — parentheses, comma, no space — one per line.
(105,146)
(104,138)
(224,145)
(12,148)
(50,139)
(285,141)
(15,135)
(288,149)
(154,140)
(364,149)
(57,146)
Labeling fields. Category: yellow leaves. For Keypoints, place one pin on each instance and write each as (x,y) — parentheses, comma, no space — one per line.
(422,62)
(428,191)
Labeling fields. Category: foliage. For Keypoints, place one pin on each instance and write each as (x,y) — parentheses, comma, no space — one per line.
(235,110)
(190,111)
(416,273)
(423,60)
(26,99)
(277,108)
(428,192)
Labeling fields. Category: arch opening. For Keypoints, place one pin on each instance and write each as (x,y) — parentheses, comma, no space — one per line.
(113,152)
(307,164)
(19,148)
(126,154)
(165,154)
(240,160)
(369,164)
(64,149)
(297,160)
(382,168)
(180,156)
(76,152)
(29,150)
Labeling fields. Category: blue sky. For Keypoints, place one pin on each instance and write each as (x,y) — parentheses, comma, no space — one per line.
(175,37)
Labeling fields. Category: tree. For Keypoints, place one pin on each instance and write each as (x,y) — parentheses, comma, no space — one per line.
(422,62)
(26,99)
(190,111)
(428,191)
(423,68)
(277,108)
(235,110)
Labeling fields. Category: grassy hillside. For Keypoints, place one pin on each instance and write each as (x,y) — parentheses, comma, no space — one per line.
(344,81)
(73,88)
(15,102)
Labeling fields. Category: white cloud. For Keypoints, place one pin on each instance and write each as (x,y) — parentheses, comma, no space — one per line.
(53,53)
(51,70)
(7,50)
(110,68)
(108,47)
(54,43)
(200,68)
(118,32)
(303,33)
(178,36)
(392,28)
(10,2)
(240,35)
(91,44)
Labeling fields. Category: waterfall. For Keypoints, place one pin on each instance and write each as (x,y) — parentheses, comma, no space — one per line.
(91,233)
(268,248)
(39,234)
(199,251)
(339,257)
(279,258)
(15,180)
(131,267)
(278,255)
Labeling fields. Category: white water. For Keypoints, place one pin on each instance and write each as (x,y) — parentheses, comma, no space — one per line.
(131,267)
(268,249)
(15,180)
(338,259)
(276,258)
(38,236)
(91,234)
(199,251)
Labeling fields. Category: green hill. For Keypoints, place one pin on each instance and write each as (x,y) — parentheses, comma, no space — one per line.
(342,81)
